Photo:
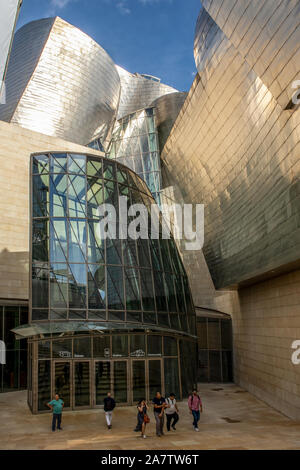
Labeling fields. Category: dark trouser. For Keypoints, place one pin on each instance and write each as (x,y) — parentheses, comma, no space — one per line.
(196,415)
(159,423)
(56,418)
(172,417)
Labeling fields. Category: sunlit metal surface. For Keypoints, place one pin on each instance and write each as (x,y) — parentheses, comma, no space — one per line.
(139,92)
(267,34)
(234,149)
(60,82)
(9,10)
(167,108)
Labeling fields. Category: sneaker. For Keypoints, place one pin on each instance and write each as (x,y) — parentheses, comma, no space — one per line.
(60,429)
(173,427)
(197,429)
(144,436)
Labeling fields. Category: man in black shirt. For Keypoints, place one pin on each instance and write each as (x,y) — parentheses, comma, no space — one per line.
(159,407)
(109,405)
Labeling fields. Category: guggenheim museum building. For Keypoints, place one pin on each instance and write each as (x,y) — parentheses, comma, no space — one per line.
(81,314)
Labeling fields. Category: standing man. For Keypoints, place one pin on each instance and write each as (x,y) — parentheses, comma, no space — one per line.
(56,406)
(159,407)
(195,406)
(171,412)
(109,405)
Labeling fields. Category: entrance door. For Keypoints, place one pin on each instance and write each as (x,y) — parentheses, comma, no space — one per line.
(120,381)
(82,389)
(103,381)
(62,381)
(138,381)
(155,383)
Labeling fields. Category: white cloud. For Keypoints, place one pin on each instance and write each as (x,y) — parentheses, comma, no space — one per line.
(123,8)
(56,5)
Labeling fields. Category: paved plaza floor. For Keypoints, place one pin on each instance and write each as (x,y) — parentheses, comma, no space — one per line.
(232,419)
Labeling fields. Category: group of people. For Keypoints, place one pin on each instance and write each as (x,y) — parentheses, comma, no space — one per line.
(161,407)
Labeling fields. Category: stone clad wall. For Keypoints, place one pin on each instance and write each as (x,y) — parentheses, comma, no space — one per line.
(266,321)
(16,146)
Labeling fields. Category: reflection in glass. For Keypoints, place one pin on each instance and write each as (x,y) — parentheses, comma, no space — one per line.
(154,366)
(102,381)
(82,383)
(171,376)
(62,381)
(44,384)
(120,381)
(138,380)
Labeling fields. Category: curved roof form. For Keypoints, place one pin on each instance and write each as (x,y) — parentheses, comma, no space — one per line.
(139,91)
(60,82)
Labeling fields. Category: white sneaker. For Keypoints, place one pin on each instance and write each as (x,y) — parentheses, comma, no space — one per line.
(197,429)
(144,436)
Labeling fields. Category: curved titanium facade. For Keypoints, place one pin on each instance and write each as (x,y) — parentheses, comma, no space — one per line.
(267,35)
(135,144)
(234,149)
(134,292)
(60,82)
(138,92)
(167,108)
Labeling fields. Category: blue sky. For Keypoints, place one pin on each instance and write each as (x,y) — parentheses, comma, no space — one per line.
(146,36)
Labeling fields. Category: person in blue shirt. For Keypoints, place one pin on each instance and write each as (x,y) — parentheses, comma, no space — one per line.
(56,406)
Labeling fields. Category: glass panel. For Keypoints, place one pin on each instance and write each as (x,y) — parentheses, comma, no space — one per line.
(97,315)
(96,245)
(44,350)
(40,196)
(102,346)
(120,381)
(171,292)
(58,314)
(94,167)
(44,384)
(120,345)
(11,320)
(77,164)
(137,346)
(58,240)
(77,196)
(115,288)
(202,332)
(82,347)
(215,366)
(147,290)
(132,288)
(102,381)
(62,349)
(40,286)
(77,241)
(154,345)
(113,251)
(188,365)
(82,383)
(143,253)
(62,381)
(226,334)
(159,283)
(58,163)
(23,369)
(40,240)
(96,286)
(58,285)
(171,377)
(154,377)
(214,334)
(38,315)
(227,369)
(170,346)
(94,197)
(77,286)
(58,195)
(203,373)
(11,371)
(138,380)
(40,164)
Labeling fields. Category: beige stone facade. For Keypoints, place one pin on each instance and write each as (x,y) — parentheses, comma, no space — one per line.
(16,146)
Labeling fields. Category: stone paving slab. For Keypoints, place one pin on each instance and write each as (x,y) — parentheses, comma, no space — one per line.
(232,419)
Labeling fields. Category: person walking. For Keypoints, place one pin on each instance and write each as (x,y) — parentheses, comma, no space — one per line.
(56,405)
(109,406)
(195,406)
(143,417)
(171,412)
(159,407)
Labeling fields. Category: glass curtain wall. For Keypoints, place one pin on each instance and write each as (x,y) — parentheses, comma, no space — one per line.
(135,144)
(76,275)
(214,350)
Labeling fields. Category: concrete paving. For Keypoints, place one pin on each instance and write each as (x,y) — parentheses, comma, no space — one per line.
(232,419)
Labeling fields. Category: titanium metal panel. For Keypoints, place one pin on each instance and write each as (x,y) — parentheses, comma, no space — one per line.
(138,92)
(9,10)
(234,149)
(60,82)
